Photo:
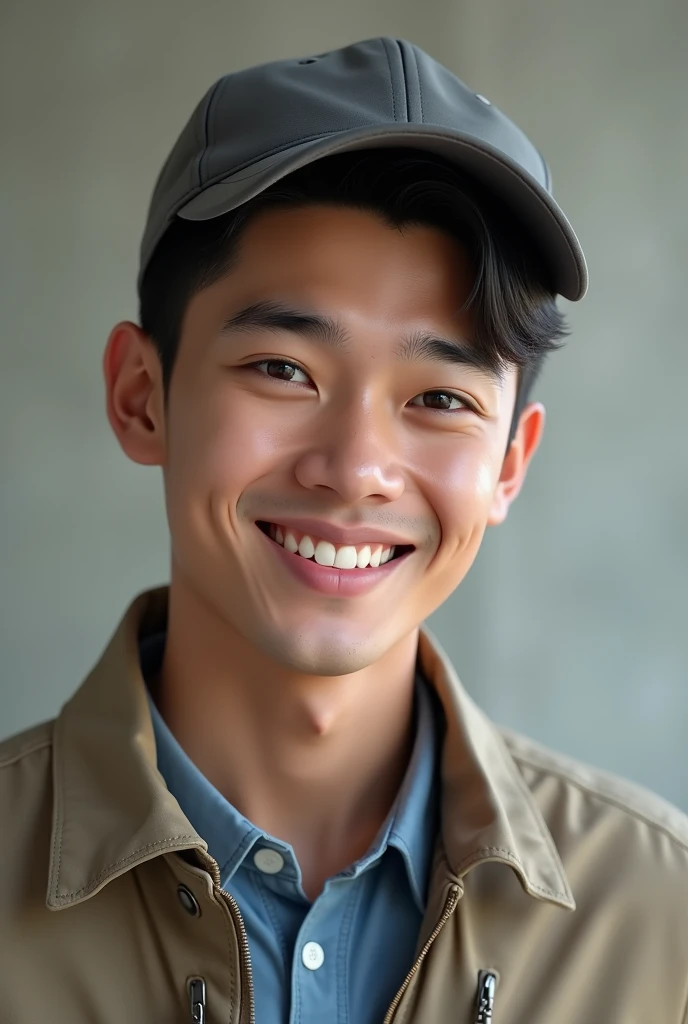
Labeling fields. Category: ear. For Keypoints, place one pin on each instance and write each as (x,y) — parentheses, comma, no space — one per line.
(521,450)
(134,394)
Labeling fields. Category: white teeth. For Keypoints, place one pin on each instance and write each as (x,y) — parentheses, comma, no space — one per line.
(306,547)
(325,552)
(375,555)
(345,558)
(363,558)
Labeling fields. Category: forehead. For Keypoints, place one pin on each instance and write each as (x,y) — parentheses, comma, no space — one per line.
(354,260)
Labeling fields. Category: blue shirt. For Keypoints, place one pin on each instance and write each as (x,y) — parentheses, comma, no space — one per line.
(343,957)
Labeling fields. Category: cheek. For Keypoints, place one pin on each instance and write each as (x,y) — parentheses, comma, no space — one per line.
(221,446)
(485,480)
(461,486)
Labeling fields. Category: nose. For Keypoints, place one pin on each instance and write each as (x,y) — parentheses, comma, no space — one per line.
(355,455)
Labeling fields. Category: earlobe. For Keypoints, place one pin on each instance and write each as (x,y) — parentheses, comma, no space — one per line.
(134,394)
(516,461)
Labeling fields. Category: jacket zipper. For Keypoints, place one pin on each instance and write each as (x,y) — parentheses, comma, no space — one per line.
(486,988)
(245,956)
(245,952)
(197,1000)
(449,908)
(486,994)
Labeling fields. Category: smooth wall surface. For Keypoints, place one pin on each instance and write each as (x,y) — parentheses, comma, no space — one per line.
(572,625)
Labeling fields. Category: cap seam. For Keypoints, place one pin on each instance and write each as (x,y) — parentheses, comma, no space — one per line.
(420,91)
(391,79)
(404,57)
(405,81)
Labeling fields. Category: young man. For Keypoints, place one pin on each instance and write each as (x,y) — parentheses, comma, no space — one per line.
(272,800)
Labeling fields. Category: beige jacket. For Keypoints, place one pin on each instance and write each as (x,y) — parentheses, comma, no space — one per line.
(568,887)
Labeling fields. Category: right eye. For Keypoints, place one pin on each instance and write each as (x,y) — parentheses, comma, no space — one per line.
(280,370)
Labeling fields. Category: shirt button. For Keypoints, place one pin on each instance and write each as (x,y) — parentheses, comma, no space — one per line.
(313,956)
(268,861)
(188,901)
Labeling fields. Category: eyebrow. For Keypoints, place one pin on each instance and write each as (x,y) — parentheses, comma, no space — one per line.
(273,316)
(419,346)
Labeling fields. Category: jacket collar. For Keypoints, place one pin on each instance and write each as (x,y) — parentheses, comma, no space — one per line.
(112,809)
(488,813)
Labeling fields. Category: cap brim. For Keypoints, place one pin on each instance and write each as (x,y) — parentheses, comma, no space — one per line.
(532,204)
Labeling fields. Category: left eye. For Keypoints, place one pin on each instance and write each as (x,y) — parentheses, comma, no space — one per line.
(443,401)
(282,371)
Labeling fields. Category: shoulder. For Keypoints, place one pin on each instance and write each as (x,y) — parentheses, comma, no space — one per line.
(595,800)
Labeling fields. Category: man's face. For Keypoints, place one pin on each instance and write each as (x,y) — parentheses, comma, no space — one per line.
(310,406)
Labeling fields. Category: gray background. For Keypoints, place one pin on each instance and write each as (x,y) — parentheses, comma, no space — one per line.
(572,625)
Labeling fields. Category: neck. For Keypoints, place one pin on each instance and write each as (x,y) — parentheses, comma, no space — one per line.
(314,761)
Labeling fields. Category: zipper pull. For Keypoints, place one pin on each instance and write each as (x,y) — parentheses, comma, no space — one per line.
(196,987)
(487,984)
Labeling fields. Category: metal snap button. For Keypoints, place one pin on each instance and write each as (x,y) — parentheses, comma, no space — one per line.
(483,99)
(188,901)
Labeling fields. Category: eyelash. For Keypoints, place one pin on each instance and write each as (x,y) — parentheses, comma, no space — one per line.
(284,362)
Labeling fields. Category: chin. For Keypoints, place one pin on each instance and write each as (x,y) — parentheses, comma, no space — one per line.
(325,653)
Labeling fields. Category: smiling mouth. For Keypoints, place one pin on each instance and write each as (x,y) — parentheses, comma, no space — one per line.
(337,556)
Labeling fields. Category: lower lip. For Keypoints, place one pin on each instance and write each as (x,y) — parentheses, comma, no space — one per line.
(334,582)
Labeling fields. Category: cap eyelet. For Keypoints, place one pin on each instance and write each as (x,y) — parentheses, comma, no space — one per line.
(483,99)
(188,901)
(309,60)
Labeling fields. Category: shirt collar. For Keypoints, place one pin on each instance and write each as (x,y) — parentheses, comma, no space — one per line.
(412,823)
(105,821)
(228,833)
(410,826)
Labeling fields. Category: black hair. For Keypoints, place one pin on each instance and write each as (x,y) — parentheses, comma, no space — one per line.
(516,319)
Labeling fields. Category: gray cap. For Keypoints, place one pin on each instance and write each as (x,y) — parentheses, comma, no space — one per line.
(255,126)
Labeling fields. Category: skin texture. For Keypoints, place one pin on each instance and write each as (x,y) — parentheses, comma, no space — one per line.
(296,705)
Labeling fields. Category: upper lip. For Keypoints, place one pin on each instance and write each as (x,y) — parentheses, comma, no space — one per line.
(353,535)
